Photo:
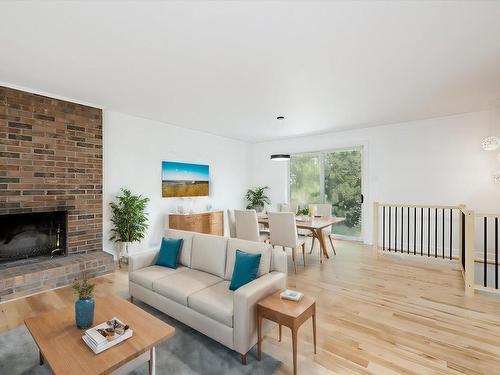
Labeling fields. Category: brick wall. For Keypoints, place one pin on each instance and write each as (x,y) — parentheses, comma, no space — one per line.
(51,159)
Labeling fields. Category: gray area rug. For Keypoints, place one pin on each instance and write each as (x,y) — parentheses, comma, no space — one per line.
(188,352)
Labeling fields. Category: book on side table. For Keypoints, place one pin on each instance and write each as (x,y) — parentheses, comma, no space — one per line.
(291,295)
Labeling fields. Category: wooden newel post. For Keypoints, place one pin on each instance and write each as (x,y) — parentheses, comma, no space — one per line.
(469,253)
(375,228)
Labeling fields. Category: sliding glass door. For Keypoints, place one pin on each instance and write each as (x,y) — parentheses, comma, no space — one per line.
(330,177)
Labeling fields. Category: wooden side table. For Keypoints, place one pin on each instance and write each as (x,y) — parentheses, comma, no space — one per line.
(289,314)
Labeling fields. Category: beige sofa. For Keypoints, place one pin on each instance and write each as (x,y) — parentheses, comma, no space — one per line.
(197,292)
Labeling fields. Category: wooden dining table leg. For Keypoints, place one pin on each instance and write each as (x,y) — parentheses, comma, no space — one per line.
(322,243)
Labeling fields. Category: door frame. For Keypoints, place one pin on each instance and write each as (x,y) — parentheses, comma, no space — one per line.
(363,146)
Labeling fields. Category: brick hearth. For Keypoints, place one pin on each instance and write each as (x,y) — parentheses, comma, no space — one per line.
(52,273)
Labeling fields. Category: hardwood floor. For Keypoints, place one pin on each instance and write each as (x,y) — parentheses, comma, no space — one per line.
(375,316)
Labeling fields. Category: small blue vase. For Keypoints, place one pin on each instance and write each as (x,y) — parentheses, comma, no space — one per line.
(84,312)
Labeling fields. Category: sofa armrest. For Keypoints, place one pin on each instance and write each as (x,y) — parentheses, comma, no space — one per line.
(245,308)
(142,260)
(279,261)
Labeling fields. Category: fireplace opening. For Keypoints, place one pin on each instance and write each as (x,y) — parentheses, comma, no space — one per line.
(32,235)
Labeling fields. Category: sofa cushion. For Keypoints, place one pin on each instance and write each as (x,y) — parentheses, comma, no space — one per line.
(187,243)
(215,302)
(181,285)
(246,266)
(209,254)
(264,249)
(169,252)
(146,276)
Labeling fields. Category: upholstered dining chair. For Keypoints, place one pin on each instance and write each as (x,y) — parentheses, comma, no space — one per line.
(288,207)
(247,226)
(293,206)
(283,230)
(322,209)
(232,223)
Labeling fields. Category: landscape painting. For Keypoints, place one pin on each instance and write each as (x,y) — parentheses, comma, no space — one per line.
(184,180)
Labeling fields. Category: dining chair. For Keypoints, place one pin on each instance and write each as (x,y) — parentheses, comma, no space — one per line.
(284,207)
(293,206)
(322,209)
(232,223)
(283,230)
(247,226)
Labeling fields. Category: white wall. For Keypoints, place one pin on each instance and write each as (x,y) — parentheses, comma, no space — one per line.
(434,161)
(133,151)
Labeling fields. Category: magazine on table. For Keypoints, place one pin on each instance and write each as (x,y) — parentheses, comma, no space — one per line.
(106,335)
(291,295)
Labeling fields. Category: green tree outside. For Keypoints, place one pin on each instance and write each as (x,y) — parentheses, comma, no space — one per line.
(342,185)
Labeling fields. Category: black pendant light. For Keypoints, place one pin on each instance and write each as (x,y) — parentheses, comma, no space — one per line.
(280,157)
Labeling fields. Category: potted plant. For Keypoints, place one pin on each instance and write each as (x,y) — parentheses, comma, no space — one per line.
(129,221)
(303,211)
(256,198)
(84,305)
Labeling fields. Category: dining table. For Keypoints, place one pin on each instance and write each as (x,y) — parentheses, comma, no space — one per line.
(315,224)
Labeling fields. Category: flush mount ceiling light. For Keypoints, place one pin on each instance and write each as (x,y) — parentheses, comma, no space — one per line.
(490,143)
(280,118)
(280,157)
(496,177)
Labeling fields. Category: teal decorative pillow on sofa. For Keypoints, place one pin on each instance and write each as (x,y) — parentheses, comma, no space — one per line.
(246,266)
(169,252)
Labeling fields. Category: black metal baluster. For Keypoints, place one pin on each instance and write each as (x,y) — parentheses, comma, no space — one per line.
(451,233)
(408,231)
(389,235)
(485,261)
(383,227)
(421,231)
(435,233)
(414,230)
(402,228)
(429,232)
(443,230)
(496,253)
(396,229)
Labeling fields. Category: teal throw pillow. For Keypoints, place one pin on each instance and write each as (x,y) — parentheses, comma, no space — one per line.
(246,266)
(169,252)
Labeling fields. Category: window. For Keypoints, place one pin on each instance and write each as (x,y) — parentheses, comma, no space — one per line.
(330,177)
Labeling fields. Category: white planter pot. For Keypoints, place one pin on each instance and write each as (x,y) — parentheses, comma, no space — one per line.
(123,256)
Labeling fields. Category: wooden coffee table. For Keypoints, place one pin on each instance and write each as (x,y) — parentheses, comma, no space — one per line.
(61,345)
(289,314)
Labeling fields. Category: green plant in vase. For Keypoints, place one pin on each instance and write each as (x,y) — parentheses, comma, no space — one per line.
(85,304)
(304,211)
(257,198)
(129,220)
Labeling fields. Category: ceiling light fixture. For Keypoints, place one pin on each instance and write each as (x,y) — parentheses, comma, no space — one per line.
(490,143)
(280,118)
(280,157)
(496,177)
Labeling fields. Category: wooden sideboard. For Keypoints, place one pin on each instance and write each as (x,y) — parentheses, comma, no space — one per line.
(211,222)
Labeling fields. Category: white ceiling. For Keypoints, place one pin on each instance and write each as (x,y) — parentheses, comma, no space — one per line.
(230,68)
